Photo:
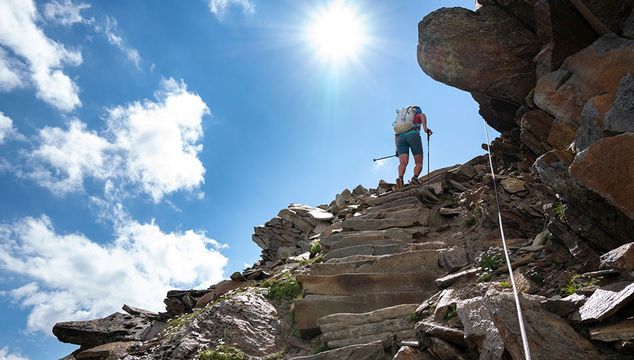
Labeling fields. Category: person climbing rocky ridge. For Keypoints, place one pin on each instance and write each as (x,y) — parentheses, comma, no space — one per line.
(417,273)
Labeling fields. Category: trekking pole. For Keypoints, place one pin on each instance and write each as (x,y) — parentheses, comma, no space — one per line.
(383,158)
(427,159)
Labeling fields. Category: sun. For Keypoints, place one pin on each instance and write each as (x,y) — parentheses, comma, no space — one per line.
(337,33)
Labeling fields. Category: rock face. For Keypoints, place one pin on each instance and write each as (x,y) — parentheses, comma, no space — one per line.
(288,233)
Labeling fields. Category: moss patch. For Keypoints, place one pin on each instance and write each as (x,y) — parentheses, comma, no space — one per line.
(221,352)
(283,289)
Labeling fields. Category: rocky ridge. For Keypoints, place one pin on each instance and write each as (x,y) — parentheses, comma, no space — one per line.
(417,273)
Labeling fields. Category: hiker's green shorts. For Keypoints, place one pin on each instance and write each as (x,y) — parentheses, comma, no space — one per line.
(409,140)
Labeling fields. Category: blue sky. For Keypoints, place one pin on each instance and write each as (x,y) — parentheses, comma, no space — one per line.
(141,141)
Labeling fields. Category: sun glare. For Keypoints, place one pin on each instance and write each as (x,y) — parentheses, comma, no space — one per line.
(337,32)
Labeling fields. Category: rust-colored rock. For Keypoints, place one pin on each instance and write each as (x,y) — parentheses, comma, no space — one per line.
(595,70)
(607,168)
(562,31)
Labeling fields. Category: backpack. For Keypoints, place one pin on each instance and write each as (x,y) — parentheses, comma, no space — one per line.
(405,119)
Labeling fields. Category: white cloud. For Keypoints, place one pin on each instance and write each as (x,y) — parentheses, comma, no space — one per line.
(151,144)
(70,156)
(220,7)
(6,127)
(110,29)
(12,72)
(5,354)
(71,277)
(44,57)
(65,12)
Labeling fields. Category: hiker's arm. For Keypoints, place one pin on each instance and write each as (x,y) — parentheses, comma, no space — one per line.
(423,121)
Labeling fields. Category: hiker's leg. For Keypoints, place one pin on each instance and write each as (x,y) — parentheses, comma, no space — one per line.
(418,159)
(417,151)
(403,159)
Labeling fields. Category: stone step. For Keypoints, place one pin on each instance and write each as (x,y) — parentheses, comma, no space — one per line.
(387,338)
(399,219)
(376,250)
(407,201)
(340,321)
(413,261)
(369,351)
(313,307)
(419,192)
(353,238)
(366,283)
(384,324)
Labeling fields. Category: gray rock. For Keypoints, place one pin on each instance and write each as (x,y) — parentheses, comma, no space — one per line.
(359,190)
(112,328)
(448,298)
(620,118)
(453,259)
(513,185)
(621,258)
(564,306)
(547,333)
(443,350)
(622,330)
(446,333)
(479,328)
(448,280)
(462,173)
(604,303)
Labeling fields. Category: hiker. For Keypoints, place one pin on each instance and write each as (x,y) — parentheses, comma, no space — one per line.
(407,136)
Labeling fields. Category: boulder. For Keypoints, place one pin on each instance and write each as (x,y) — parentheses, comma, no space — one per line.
(513,185)
(113,328)
(604,303)
(547,333)
(479,329)
(621,258)
(607,168)
(622,330)
(564,306)
(453,259)
(464,49)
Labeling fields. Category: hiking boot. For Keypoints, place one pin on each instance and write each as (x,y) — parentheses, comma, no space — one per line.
(399,183)
(414,180)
